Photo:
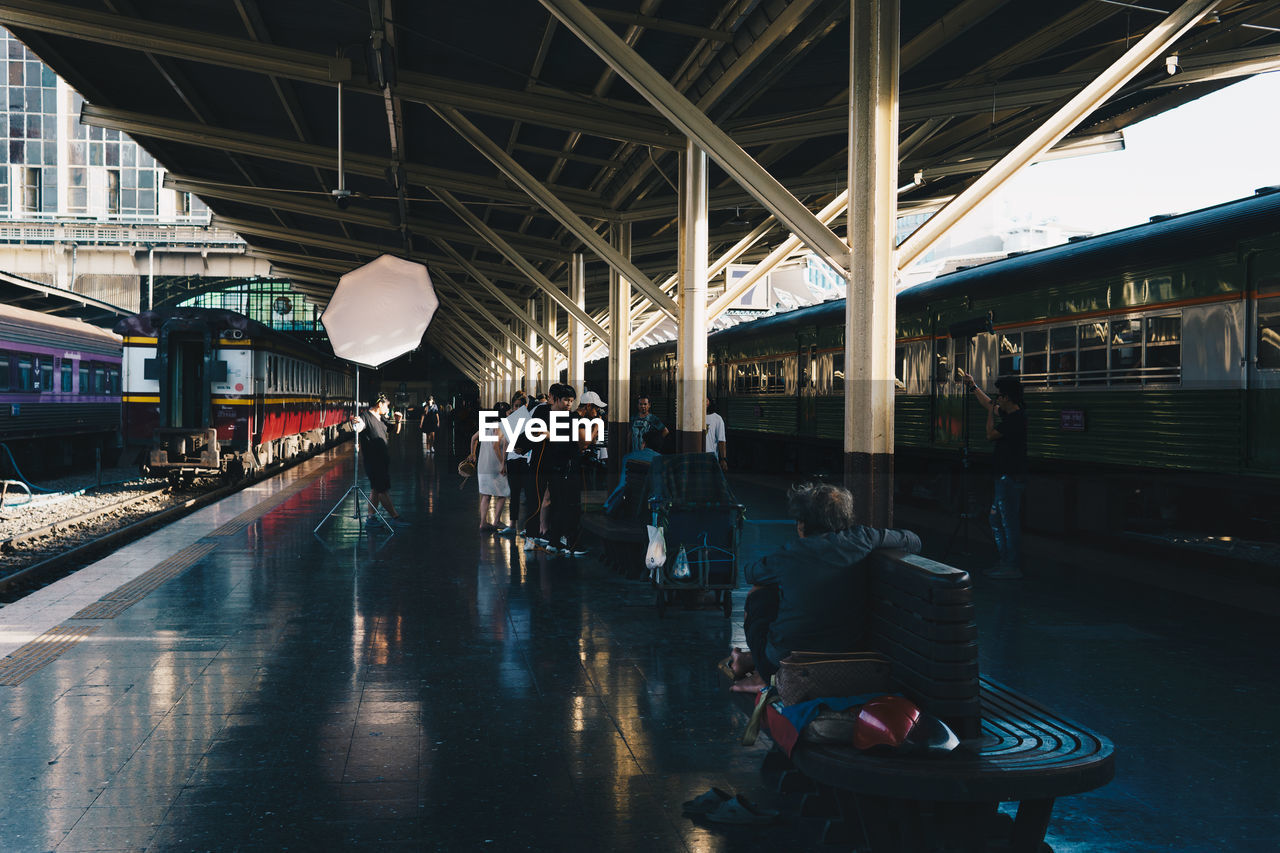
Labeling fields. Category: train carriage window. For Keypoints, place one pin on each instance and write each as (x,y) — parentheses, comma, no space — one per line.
(84,378)
(1164,349)
(1010,345)
(98,379)
(1062,355)
(1035,358)
(1092,359)
(26,373)
(837,373)
(5,381)
(900,368)
(1269,334)
(67,372)
(46,375)
(113,380)
(1126,351)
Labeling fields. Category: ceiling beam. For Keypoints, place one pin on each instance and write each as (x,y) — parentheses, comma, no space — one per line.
(519,262)
(300,153)
(548,198)
(591,115)
(516,311)
(446,284)
(702,131)
(322,207)
(1159,39)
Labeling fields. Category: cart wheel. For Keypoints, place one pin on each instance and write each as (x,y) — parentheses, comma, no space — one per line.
(661,602)
(727,603)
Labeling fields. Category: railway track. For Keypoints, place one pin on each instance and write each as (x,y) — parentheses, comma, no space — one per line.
(41,554)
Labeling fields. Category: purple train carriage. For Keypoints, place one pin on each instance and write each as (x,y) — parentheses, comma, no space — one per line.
(59,391)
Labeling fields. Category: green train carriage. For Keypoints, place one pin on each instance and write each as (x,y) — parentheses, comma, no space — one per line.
(1150,355)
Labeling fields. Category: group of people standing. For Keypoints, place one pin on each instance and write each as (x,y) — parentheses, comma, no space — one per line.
(542,478)
(539,480)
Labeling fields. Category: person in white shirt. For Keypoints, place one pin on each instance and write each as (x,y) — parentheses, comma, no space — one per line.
(517,465)
(715,435)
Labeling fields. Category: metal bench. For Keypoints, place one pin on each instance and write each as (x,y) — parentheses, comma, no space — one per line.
(1013,749)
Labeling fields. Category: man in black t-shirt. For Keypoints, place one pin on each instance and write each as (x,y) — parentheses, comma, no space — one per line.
(1009,464)
(548,461)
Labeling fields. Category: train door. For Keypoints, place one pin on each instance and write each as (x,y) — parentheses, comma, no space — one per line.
(187,357)
(948,394)
(806,386)
(1263,394)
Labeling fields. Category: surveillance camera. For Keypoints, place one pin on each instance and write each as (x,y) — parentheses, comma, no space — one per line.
(1171,64)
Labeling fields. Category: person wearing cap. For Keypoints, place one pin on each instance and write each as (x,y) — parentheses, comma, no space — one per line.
(371,427)
(591,406)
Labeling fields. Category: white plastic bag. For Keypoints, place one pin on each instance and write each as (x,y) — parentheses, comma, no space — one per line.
(656,555)
(681,570)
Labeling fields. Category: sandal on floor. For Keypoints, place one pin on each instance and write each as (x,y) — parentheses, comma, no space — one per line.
(741,810)
(706,803)
(726,666)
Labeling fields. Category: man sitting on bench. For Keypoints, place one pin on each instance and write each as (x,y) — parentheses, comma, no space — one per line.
(648,452)
(810,594)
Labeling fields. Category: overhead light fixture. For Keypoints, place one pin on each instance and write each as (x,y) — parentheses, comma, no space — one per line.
(1171,64)
(738,221)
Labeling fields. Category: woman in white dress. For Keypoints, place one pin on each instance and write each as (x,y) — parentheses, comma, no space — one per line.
(491,474)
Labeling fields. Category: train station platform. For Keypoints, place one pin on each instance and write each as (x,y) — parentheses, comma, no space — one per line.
(235,682)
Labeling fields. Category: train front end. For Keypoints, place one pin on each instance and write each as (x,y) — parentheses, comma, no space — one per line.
(188,391)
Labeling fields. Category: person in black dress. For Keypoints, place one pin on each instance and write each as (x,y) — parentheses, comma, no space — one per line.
(371,425)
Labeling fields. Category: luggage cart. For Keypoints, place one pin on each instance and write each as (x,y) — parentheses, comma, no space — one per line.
(709,535)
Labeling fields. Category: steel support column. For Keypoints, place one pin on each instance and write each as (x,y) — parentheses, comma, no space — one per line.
(619,413)
(538,369)
(691,333)
(552,204)
(549,373)
(869,307)
(577,335)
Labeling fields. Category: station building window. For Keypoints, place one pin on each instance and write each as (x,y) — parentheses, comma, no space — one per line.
(31,189)
(113,191)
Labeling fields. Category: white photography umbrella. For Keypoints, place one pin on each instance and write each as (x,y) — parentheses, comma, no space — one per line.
(378,312)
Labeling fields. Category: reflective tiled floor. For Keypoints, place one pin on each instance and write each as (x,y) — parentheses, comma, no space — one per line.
(443,690)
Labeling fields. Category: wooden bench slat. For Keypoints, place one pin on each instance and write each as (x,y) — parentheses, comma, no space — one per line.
(1013,749)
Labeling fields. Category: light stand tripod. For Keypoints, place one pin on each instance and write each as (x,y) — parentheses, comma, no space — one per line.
(361,496)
